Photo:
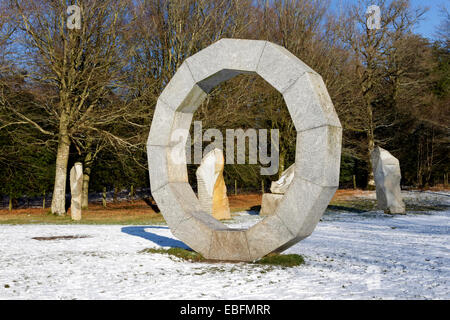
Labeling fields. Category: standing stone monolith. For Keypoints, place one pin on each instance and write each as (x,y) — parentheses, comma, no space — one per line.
(386,171)
(212,191)
(270,201)
(281,185)
(76,187)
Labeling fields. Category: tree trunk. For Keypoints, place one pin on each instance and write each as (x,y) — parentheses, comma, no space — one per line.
(62,158)
(132,193)
(281,165)
(10,203)
(370,146)
(104,197)
(86,176)
(115,192)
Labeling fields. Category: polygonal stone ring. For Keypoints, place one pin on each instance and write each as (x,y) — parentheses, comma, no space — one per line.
(317,157)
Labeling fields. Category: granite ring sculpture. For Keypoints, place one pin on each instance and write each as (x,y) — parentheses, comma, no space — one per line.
(318,150)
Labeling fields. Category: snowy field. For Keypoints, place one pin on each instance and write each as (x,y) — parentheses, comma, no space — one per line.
(350,255)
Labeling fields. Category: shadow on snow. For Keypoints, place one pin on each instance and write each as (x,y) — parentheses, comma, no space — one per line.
(140,231)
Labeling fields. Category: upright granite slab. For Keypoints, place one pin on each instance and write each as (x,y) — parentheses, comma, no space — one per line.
(281,185)
(212,191)
(386,171)
(270,201)
(76,187)
(317,155)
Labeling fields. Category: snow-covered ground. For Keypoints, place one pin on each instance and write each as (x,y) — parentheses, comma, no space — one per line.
(350,255)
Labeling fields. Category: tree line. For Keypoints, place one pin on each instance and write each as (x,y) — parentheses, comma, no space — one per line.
(88,94)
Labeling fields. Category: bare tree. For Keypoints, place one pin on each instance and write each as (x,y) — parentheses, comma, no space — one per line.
(81,70)
(370,48)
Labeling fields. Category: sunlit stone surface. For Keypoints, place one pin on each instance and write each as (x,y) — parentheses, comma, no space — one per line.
(212,191)
(386,171)
(76,187)
(317,158)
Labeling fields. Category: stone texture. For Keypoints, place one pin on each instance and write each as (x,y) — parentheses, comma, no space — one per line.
(316,109)
(76,188)
(229,245)
(267,236)
(269,203)
(161,131)
(182,93)
(170,166)
(317,160)
(309,200)
(223,60)
(280,67)
(318,155)
(386,171)
(212,191)
(281,185)
(168,199)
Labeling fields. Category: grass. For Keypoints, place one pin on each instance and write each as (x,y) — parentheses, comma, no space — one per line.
(53,219)
(137,212)
(364,205)
(358,205)
(283,260)
(126,213)
(179,253)
(273,259)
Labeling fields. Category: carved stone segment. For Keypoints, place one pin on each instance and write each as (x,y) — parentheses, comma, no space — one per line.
(169,164)
(317,154)
(76,188)
(317,109)
(280,68)
(229,245)
(386,171)
(223,60)
(212,191)
(161,133)
(269,203)
(309,200)
(182,93)
(267,236)
(174,210)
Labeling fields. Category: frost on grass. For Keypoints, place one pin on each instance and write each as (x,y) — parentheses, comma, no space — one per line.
(273,259)
(183,254)
(350,255)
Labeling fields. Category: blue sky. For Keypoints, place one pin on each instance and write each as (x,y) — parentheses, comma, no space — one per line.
(431,19)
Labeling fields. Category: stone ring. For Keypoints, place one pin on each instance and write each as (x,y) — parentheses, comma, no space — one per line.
(317,157)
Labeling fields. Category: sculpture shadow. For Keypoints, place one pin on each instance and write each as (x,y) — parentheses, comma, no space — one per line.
(149,202)
(344,208)
(254,210)
(139,231)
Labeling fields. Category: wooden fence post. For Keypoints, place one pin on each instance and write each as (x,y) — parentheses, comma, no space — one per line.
(104,197)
